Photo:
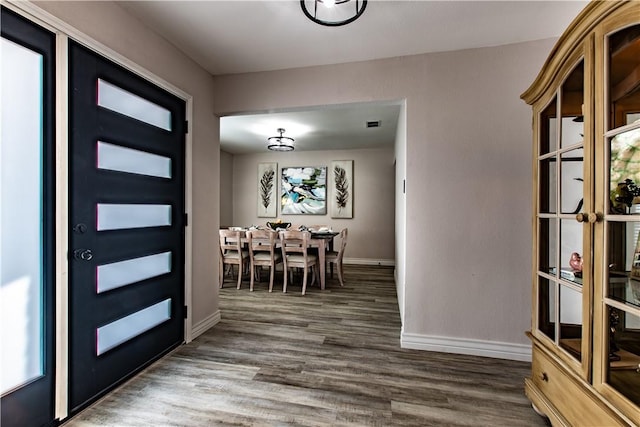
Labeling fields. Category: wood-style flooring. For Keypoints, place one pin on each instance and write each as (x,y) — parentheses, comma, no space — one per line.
(329,358)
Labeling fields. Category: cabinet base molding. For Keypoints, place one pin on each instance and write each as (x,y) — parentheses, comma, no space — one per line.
(565,398)
(541,405)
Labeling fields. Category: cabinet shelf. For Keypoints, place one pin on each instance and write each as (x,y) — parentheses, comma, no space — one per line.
(627,361)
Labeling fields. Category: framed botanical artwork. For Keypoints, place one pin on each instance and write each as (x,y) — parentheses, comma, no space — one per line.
(341,194)
(304,190)
(267,190)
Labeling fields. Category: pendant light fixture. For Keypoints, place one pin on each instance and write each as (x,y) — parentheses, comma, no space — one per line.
(333,13)
(280,143)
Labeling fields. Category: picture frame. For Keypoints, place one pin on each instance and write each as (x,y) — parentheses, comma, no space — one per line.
(341,194)
(267,190)
(303,190)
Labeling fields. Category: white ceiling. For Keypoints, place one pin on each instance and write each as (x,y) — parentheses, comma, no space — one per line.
(245,36)
(329,128)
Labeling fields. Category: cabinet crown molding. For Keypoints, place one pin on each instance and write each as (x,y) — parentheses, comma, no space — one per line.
(571,39)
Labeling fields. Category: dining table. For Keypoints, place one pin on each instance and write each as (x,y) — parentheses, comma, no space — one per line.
(322,240)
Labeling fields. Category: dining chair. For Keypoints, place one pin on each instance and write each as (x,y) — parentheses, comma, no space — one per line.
(262,252)
(231,253)
(295,253)
(335,257)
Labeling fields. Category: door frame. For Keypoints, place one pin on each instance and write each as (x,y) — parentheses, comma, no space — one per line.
(64,32)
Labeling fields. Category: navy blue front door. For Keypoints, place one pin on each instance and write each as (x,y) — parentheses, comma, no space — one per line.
(126,284)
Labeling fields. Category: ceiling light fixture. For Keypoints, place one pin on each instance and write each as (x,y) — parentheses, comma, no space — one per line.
(333,13)
(280,143)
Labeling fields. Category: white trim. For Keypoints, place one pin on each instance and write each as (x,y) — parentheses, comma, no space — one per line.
(369,261)
(204,325)
(188,232)
(62,229)
(495,349)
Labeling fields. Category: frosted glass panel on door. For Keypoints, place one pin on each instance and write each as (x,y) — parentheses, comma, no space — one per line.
(122,273)
(21,239)
(123,159)
(122,330)
(121,216)
(124,102)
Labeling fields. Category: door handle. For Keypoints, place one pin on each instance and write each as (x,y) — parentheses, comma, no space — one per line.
(83,254)
(80,228)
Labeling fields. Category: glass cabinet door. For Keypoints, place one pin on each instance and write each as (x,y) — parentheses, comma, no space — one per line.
(561,231)
(621,279)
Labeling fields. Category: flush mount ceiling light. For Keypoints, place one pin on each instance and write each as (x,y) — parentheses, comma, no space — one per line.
(333,13)
(280,143)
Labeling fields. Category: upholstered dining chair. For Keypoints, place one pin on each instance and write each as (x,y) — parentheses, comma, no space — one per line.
(231,253)
(295,253)
(335,257)
(262,252)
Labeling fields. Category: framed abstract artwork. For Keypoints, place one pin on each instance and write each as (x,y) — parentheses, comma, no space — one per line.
(341,194)
(267,190)
(304,190)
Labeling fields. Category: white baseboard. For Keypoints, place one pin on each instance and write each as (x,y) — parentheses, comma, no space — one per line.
(204,325)
(369,261)
(498,350)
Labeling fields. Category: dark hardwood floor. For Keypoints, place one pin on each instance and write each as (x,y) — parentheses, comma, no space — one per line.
(329,358)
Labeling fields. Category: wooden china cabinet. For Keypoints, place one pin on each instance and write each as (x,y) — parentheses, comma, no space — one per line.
(586,222)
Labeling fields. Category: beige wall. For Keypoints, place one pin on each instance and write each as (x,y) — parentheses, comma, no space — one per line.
(468,172)
(373,193)
(109,24)
(226,189)
(468,168)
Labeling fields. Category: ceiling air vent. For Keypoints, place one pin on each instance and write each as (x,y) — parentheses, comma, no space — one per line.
(373,124)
